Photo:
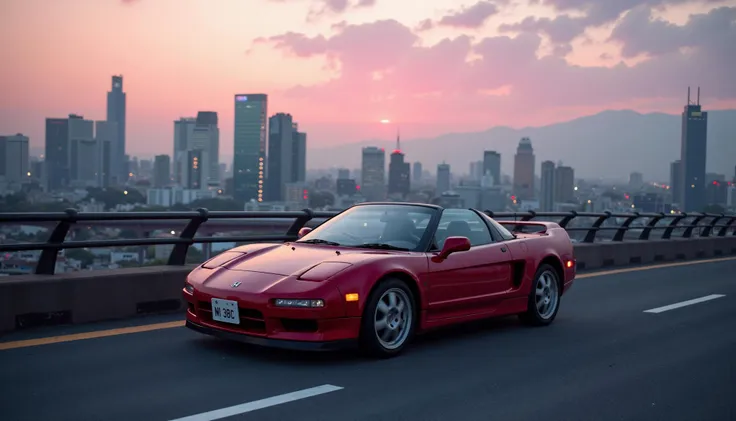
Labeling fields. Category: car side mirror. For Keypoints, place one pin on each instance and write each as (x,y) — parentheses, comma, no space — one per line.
(304,231)
(454,245)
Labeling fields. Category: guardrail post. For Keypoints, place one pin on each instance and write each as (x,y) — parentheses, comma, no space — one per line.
(566,220)
(673,224)
(708,228)
(178,254)
(590,236)
(621,231)
(689,230)
(47,262)
(299,223)
(650,225)
(724,229)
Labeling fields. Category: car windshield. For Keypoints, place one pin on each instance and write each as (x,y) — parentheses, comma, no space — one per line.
(389,227)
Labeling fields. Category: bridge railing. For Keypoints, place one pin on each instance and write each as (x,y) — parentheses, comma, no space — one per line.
(591,224)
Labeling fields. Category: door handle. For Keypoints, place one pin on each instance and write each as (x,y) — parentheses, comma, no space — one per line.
(503,249)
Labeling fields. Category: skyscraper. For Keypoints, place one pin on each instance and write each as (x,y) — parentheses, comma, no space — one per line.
(183,133)
(693,155)
(564,184)
(547,200)
(676,181)
(373,173)
(250,143)
(524,170)
(417,172)
(280,156)
(443,178)
(83,152)
(161,171)
(14,159)
(398,172)
(116,113)
(299,155)
(106,134)
(206,137)
(492,165)
(56,153)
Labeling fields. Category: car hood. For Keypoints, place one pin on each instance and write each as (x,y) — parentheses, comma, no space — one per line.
(293,258)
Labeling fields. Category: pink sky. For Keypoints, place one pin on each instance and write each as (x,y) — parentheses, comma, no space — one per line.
(340,66)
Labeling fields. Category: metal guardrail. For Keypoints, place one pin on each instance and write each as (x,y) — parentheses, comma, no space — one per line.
(702,225)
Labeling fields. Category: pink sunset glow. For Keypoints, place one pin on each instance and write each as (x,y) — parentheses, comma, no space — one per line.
(342,66)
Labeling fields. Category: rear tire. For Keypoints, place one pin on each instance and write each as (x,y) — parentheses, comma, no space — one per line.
(389,319)
(544,297)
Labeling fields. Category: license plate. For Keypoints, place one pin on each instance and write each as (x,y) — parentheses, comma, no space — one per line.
(225,311)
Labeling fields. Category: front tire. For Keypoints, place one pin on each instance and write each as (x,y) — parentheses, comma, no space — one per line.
(388,320)
(544,297)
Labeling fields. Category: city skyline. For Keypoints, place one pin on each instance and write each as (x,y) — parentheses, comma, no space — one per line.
(279,69)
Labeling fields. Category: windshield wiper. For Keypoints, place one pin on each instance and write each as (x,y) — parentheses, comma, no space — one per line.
(381,246)
(319,241)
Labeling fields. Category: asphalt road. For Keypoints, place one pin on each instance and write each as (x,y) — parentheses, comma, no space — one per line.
(604,358)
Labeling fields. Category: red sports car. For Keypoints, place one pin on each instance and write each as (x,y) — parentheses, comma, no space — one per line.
(376,274)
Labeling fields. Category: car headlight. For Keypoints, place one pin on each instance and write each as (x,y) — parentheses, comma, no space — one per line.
(189,288)
(288,302)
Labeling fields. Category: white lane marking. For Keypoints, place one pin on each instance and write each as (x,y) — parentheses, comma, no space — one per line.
(684,303)
(260,404)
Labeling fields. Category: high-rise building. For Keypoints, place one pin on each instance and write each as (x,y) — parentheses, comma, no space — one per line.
(14,159)
(492,165)
(693,155)
(443,178)
(547,199)
(417,172)
(398,172)
(206,137)
(83,152)
(373,173)
(116,99)
(299,156)
(161,171)
(197,169)
(183,133)
(676,181)
(564,184)
(343,173)
(106,134)
(636,180)
(56,154)
(524,170)
(250,143)
(287,159)
(280,156)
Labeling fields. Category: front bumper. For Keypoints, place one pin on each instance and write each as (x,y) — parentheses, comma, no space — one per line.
(273,343)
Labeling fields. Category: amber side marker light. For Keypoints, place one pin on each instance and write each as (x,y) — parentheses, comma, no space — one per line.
(351,297)
(569,263)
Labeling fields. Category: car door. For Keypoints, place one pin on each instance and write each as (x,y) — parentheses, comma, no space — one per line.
(470,281)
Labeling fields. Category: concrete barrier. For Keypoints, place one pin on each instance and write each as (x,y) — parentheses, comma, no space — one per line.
(82,297)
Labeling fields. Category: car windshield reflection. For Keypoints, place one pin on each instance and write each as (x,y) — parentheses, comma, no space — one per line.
(381,227)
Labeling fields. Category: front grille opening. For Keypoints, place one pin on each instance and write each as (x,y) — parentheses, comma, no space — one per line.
(299,325)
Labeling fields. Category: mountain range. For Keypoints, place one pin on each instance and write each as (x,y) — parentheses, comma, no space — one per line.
(609,145)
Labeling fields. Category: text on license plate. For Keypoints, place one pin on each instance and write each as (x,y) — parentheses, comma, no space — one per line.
(225,311)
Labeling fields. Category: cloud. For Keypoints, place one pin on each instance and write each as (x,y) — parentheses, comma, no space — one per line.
(470,17)
(384,66)
(564,28)
(322,8)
